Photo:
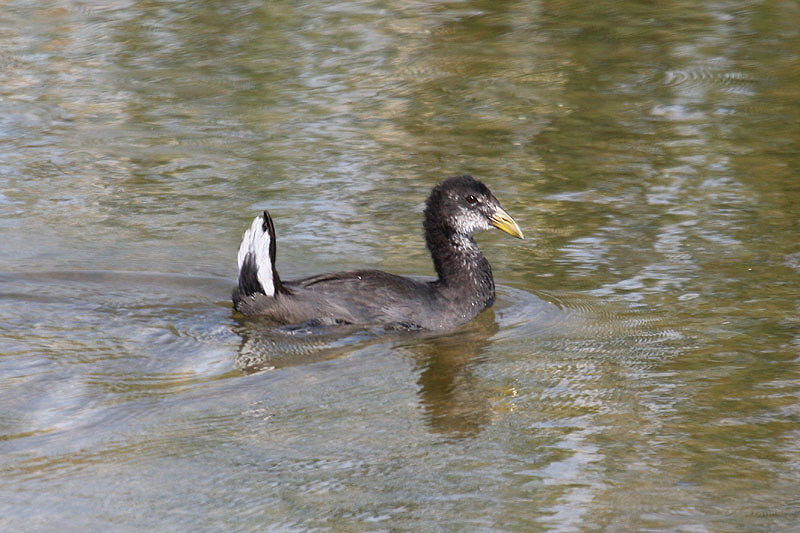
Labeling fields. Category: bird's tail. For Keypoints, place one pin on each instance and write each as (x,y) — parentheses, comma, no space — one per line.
(257,274)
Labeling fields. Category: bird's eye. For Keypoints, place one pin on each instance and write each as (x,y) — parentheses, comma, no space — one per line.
(471,199)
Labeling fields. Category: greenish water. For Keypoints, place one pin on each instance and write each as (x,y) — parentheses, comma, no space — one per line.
(639,371)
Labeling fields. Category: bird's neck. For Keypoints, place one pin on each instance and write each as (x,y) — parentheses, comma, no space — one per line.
(465,275)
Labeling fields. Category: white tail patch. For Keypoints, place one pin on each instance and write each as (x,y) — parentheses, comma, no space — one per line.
(256,243)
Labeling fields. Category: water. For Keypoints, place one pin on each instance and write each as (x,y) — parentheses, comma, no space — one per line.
(638,372)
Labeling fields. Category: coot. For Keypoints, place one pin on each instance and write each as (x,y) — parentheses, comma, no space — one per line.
(457,208)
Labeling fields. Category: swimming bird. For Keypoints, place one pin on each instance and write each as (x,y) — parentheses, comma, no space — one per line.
(456,209)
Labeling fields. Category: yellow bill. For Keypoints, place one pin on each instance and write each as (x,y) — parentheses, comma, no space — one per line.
(503,221)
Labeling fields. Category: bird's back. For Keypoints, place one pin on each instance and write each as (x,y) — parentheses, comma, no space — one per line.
(356,297)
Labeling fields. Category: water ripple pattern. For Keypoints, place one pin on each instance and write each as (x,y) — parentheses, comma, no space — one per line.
(638,371)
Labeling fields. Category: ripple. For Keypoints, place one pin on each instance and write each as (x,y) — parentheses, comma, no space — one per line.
(108,337)
(267,347)
(520,309)
(709,76)
(584,324)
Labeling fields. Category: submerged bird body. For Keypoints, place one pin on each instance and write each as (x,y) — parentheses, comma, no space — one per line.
(457,208)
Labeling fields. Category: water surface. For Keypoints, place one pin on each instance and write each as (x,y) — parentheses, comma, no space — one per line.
(638,372)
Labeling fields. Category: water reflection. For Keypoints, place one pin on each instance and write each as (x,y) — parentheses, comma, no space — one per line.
(454,400)
(265,346)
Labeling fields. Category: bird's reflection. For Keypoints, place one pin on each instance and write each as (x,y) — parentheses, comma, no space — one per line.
(455,402)
(264,348)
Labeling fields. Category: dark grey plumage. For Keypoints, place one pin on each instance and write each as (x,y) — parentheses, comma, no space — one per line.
(457,208)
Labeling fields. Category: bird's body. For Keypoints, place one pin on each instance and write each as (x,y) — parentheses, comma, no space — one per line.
(456,209)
